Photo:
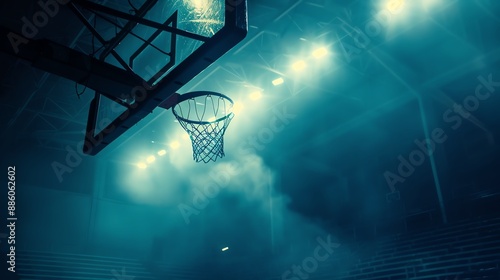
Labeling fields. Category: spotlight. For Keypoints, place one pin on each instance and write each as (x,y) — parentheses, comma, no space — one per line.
(162,153)
(151,159)
(299,65)
(237,107)
(278,81)
(320,53)
(225,249)
(395,6)
(175,145)
(200,5)
(142,165)
(256,95)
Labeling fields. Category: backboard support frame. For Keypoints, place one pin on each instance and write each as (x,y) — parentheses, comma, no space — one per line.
(120,84)
(233,31)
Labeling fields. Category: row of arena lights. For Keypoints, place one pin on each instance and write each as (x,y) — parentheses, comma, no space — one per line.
(301,65)
(152,158)
(297,66)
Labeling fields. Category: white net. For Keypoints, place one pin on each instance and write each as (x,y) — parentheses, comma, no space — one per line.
(205,116)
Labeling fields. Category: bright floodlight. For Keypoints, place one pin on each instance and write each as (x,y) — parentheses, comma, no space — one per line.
(299,65)
(395,6)
(256,95)
(175,145)
(162,153)
(142,165)
(320,53)
(225,249)
(237,107)
(278,81)
(151,159)
(201,5)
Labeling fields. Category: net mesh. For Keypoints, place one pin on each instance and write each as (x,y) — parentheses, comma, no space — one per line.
(205,116)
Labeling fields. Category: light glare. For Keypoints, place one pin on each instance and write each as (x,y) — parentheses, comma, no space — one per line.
(256,95)
(237,107)
(142,165)
(175,145)
(320,53)
(299,65)
(162,153)
(200,5)
(395,6)
(151,159)
(278,81)
(225,249)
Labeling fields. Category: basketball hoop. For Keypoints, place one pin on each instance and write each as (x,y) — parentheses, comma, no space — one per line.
(205,116)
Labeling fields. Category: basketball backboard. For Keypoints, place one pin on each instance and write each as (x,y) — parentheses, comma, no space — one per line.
(164,44)
(136,54)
